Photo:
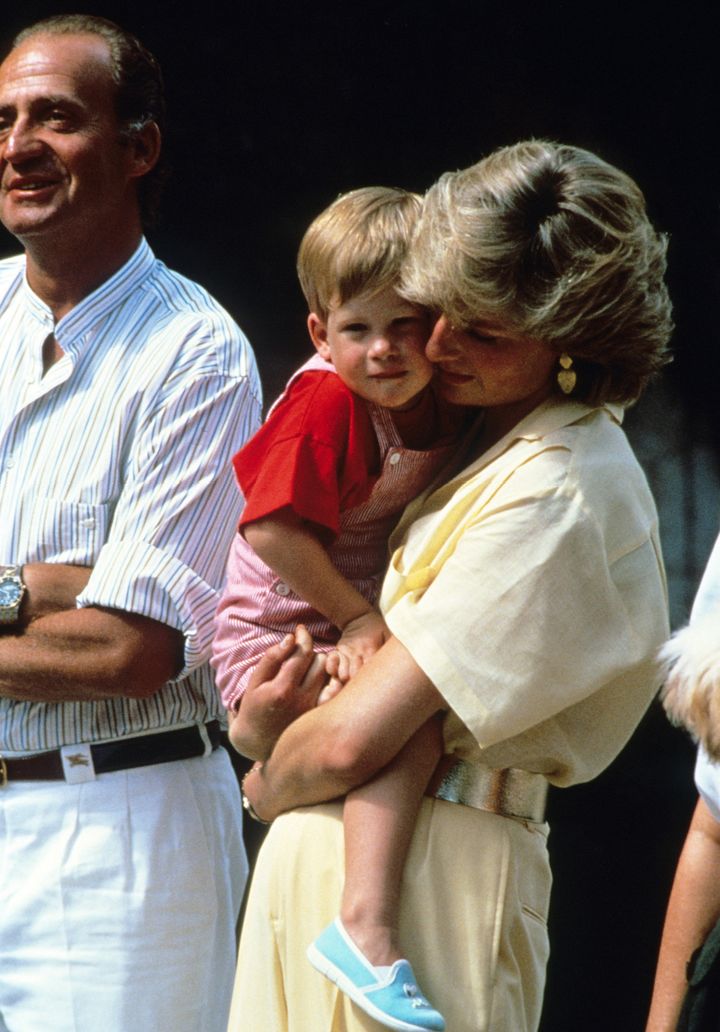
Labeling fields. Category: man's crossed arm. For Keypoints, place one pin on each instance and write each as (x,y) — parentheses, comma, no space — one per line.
(58,653)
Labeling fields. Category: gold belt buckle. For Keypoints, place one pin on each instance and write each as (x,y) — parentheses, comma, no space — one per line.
(3,772)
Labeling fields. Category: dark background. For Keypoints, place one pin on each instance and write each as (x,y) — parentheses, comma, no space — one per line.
(275,108)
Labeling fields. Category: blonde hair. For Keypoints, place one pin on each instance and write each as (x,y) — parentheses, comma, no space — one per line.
(356,246)
(554,244)
(691,694)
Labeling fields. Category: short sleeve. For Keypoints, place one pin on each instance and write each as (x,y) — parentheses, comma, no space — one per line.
(707,780)
(316,454)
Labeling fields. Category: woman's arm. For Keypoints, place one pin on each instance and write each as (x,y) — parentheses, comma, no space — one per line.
(693,909)
(343,743)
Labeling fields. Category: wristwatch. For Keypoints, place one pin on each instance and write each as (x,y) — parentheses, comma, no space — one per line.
(12,589)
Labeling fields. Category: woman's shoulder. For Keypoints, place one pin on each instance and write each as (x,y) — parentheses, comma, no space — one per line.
(588,444)
(600,456)
(553,445)
(598,479)
(579,464)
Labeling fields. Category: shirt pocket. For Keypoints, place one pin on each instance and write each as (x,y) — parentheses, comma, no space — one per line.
(61,532)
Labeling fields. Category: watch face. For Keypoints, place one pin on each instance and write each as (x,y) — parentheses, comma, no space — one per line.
(10,594)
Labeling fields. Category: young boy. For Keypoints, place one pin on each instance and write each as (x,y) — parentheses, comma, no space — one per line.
(356,435)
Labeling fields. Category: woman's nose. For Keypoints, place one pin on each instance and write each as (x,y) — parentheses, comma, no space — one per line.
(439,340)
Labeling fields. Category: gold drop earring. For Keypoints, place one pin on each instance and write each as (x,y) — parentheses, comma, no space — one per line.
(566,377)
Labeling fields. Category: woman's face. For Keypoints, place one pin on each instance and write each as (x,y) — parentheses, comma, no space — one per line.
(484,366)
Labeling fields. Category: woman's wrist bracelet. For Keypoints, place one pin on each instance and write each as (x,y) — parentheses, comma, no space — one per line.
(247,805)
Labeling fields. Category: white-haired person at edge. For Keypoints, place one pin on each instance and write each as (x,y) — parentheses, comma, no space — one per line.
(525,596)
(686,994)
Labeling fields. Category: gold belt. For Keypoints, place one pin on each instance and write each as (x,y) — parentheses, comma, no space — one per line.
(509,792)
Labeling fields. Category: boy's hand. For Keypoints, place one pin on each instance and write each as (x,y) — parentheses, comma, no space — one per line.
(360,639)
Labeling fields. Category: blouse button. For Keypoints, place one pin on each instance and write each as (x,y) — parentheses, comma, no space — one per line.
(282,589)
(394,458)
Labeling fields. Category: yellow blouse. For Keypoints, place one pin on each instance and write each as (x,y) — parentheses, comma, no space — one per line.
(530,589)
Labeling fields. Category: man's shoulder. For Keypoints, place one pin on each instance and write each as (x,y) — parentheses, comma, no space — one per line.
(185,314)
(183,296)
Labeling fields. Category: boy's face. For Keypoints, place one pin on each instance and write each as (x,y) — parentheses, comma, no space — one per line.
(377,344)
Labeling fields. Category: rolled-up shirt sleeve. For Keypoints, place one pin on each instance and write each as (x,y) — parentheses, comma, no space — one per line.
(164,556)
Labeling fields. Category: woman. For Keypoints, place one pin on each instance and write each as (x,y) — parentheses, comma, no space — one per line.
(525,596)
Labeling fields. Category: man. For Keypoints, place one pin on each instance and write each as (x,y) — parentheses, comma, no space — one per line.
(125,390)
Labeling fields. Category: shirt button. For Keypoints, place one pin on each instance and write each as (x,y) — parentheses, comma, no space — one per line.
(88,522)
(281,589)
(9,462)
(394,458)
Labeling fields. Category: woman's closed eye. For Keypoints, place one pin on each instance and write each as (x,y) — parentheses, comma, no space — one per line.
(482,338)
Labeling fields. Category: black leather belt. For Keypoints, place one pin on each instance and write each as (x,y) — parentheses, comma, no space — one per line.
(159,747)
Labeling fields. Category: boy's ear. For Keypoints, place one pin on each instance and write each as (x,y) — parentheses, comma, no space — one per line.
(317,328)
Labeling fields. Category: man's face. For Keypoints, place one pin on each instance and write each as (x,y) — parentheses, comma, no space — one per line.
(64,170)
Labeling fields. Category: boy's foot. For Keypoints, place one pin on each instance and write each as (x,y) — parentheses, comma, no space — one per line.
(390,995)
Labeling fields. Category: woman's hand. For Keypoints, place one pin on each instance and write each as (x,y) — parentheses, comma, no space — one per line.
(285,684)
(331,749)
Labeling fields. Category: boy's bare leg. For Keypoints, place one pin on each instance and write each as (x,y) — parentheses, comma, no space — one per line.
(379,820)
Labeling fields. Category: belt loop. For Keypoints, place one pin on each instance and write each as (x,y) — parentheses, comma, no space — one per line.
(205,737)
(3,772)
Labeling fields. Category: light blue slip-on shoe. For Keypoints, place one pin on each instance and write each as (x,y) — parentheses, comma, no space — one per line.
(394,1000)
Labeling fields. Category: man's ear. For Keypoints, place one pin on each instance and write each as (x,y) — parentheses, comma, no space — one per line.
(317,328)
(144,147)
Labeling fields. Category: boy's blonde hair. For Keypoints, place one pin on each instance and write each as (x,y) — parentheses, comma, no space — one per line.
(356,246)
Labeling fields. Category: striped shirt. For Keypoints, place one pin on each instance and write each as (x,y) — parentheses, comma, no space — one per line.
(119,458)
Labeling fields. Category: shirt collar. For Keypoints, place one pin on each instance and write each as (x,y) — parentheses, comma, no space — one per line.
(80,319)
(557,412)
(553,414)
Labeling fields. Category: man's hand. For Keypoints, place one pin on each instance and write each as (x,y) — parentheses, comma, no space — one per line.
(284,685)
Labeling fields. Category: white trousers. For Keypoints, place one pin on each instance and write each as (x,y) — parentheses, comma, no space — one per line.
(118,900)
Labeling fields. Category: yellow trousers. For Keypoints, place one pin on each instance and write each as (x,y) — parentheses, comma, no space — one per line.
(473,922)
